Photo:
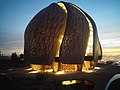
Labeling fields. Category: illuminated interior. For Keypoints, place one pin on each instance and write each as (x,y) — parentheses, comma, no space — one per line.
(41,68)
(59,72)
(88,65)
(89,51)
(59,68)
(59,43)
(69,67)
(69,82)
(62,6)
(54,66)
(62,34)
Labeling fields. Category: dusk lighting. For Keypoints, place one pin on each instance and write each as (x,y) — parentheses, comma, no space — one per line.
(59,45)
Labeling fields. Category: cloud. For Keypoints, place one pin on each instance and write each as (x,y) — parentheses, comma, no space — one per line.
(12,46)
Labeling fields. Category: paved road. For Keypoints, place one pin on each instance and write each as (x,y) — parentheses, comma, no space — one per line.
(99,77)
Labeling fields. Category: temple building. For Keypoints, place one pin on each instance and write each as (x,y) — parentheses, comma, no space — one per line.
(62,37)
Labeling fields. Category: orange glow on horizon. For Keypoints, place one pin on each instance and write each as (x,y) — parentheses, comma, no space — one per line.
(111,51)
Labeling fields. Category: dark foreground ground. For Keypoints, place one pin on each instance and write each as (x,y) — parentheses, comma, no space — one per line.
(18,78)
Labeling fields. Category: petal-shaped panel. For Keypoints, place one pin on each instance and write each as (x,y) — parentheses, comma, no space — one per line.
(42,35)
(75,38)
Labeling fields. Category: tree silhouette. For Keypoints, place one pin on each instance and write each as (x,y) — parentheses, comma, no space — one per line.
(14,59)
(14,56)
(21,56)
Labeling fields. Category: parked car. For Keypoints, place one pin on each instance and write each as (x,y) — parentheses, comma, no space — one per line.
(116,63)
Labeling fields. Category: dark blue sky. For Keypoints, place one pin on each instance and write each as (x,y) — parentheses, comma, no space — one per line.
(16,14)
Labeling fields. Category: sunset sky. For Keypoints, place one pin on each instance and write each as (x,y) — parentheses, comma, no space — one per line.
(16,14)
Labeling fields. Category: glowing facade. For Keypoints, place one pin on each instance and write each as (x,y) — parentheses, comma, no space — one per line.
(62,37)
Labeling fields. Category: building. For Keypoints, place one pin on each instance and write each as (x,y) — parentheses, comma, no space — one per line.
(62,37)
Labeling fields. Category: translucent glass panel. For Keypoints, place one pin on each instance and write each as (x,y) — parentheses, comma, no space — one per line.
(62,6)
(59,44)
(62,34)
(89,50)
